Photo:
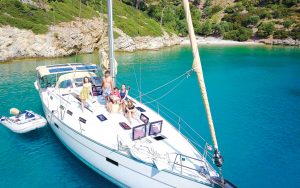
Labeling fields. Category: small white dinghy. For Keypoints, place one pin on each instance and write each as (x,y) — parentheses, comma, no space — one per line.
(23,122)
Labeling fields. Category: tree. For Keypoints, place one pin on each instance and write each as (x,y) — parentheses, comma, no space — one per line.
(218,30)
(239,34)
(265,29)
(280,34)
(295,32)
(253,20)
(163,4)
(206,28)
(181,27)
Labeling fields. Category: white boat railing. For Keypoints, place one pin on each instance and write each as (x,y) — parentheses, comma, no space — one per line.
(203,170)
(188,132)
(182,126)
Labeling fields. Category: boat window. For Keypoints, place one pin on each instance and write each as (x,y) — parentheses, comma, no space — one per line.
(56,125)
(155,127)
(78,82)
(96,80)
(69,112)
(66,84)
(82,120)
(159,137)
(112,161)
(47,81)
(140,109)
(144,118)
(139,132)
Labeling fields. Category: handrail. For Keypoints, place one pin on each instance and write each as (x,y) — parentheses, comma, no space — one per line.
(62,98)
(176,119)
(184,166)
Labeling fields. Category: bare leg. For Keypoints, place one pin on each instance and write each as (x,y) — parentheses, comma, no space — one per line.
(129,117)
(109,107)
(106,102)
(82,104)
(123,106)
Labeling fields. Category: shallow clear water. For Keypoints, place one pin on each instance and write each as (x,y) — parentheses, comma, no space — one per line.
(254,93)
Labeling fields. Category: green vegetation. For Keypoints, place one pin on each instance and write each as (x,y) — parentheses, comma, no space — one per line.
(264,16)
(265,29)
(130,20)
(237,20)
(25,16)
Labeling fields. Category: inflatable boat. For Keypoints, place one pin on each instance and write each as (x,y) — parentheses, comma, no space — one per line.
(23,122)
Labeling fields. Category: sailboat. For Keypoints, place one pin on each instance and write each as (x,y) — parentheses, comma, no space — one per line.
(147,152)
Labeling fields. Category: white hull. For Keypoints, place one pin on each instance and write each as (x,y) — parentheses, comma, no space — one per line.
(126,171)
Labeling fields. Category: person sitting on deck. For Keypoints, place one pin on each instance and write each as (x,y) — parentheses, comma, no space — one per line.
(107,86)
(130,110)
(85,92)
(123,94)
(114,99)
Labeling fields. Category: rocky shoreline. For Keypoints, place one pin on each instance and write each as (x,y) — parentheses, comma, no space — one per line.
(76,37)
(87,35)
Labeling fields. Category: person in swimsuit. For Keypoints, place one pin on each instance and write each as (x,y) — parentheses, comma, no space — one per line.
(130,110)
(85,91)
(123,94)
(114,99)
(107,85)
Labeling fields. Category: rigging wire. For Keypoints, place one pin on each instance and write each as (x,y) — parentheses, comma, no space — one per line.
(136,80)
(191,138)
(187,74)
(171,90)
(139,21)
(176,115)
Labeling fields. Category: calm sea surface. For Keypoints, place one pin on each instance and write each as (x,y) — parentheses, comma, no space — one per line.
(254,92)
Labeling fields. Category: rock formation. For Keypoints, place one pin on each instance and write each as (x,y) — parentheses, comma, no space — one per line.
(79,36)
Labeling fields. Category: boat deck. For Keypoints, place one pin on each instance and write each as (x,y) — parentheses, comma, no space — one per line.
(111,134)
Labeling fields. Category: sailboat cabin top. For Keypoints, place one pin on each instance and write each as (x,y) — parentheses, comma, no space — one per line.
(67,75)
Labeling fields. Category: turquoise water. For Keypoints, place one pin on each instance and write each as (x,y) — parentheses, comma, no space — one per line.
(255,101)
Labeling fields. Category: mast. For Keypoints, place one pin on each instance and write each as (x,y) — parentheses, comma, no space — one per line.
(111,41)
(218,160)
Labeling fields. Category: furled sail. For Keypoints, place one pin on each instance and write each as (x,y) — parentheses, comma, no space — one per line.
(218,159)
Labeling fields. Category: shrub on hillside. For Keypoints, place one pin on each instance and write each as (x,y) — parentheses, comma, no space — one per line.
(206,28)
(253,20)
(295,32)
(263,13)
(280,34)
(288,23)
(238,7)
(240,34)
(210,11)
(265,29)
